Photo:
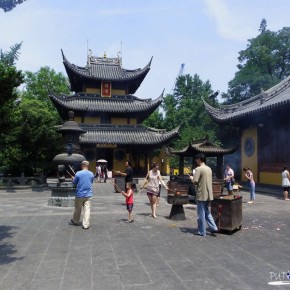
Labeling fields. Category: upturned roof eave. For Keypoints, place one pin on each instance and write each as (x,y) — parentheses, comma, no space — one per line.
(202,146)
(265,101)
(127,137)
(139,106)
(136,75)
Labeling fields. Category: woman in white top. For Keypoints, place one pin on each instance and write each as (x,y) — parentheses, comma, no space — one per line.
(152,179)
(285,182)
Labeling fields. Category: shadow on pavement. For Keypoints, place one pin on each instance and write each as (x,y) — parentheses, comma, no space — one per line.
(7,250)
(190,230)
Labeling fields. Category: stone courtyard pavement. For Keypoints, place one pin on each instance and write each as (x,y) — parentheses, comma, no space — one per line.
(39,249)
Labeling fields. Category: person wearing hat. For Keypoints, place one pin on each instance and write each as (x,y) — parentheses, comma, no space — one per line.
(83,181)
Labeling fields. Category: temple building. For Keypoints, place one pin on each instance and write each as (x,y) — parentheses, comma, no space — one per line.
(105,106)
(264,122)
(206,147)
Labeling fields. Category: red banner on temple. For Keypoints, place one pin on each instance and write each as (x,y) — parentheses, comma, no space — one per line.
(106,89)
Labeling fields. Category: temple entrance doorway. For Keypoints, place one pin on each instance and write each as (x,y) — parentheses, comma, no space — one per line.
(107,154)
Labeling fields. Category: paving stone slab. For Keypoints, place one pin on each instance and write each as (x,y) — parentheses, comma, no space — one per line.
(39,249)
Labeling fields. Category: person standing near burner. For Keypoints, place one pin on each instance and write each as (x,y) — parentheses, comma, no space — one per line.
(250,177)
(152,180)
(83,180)
(203,179)
(285,182)
(228,178)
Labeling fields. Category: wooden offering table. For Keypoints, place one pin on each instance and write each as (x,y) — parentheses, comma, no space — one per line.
(227,212)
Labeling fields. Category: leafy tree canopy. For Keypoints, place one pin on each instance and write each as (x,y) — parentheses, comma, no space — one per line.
(264,63)
(185,108)
(39,84)
(8,5)
(155,120)
(33,142)
(10,79)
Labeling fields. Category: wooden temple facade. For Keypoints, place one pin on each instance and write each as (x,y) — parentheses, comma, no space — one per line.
(104,105)
(264,122)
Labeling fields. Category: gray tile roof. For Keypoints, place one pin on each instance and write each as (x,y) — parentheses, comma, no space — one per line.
(275,98)
(126,135)
(105,72)
(127,105)
(202,146)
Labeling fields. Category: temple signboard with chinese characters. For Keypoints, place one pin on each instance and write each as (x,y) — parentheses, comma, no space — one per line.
(106,89)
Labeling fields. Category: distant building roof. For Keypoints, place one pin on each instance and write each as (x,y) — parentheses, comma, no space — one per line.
(274,98)
(104,69)
(126,135)
(128,105)
(202,146)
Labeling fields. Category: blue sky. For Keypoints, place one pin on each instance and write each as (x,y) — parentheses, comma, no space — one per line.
(206,35)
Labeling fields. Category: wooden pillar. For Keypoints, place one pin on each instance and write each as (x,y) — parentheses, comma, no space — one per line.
(181,166)
(146,162)
(219,167)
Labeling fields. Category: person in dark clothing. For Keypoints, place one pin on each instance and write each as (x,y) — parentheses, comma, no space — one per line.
(128,173)
(105,173)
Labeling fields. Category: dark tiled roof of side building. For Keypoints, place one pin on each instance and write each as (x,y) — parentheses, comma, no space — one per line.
(202,146)
(274,98)
(126,135)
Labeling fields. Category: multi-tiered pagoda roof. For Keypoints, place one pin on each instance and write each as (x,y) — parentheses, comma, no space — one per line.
(120,104)
(126,135)
(116,105)
(105,69)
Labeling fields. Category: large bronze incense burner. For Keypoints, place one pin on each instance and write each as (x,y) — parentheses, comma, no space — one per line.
(177,196)
(68,162)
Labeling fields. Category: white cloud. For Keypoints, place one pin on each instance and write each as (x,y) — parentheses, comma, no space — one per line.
(230,24)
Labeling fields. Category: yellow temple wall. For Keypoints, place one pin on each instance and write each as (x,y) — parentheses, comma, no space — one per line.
(118,92)
(270,178)
(123,121)
(92,120)
(98,91)
(250,161)
(92,166)
(119,165)
(92,91)
(78,119)
(119,121)
(163,161)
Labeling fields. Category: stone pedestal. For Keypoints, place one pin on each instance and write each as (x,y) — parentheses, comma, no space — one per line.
(62,194)
(177,212)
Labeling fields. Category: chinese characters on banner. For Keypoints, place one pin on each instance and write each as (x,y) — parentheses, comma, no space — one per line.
(106,89)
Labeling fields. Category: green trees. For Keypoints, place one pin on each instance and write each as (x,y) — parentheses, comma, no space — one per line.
(8,5)
(185,109)
(10,79)
(264,63)
(32,141)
